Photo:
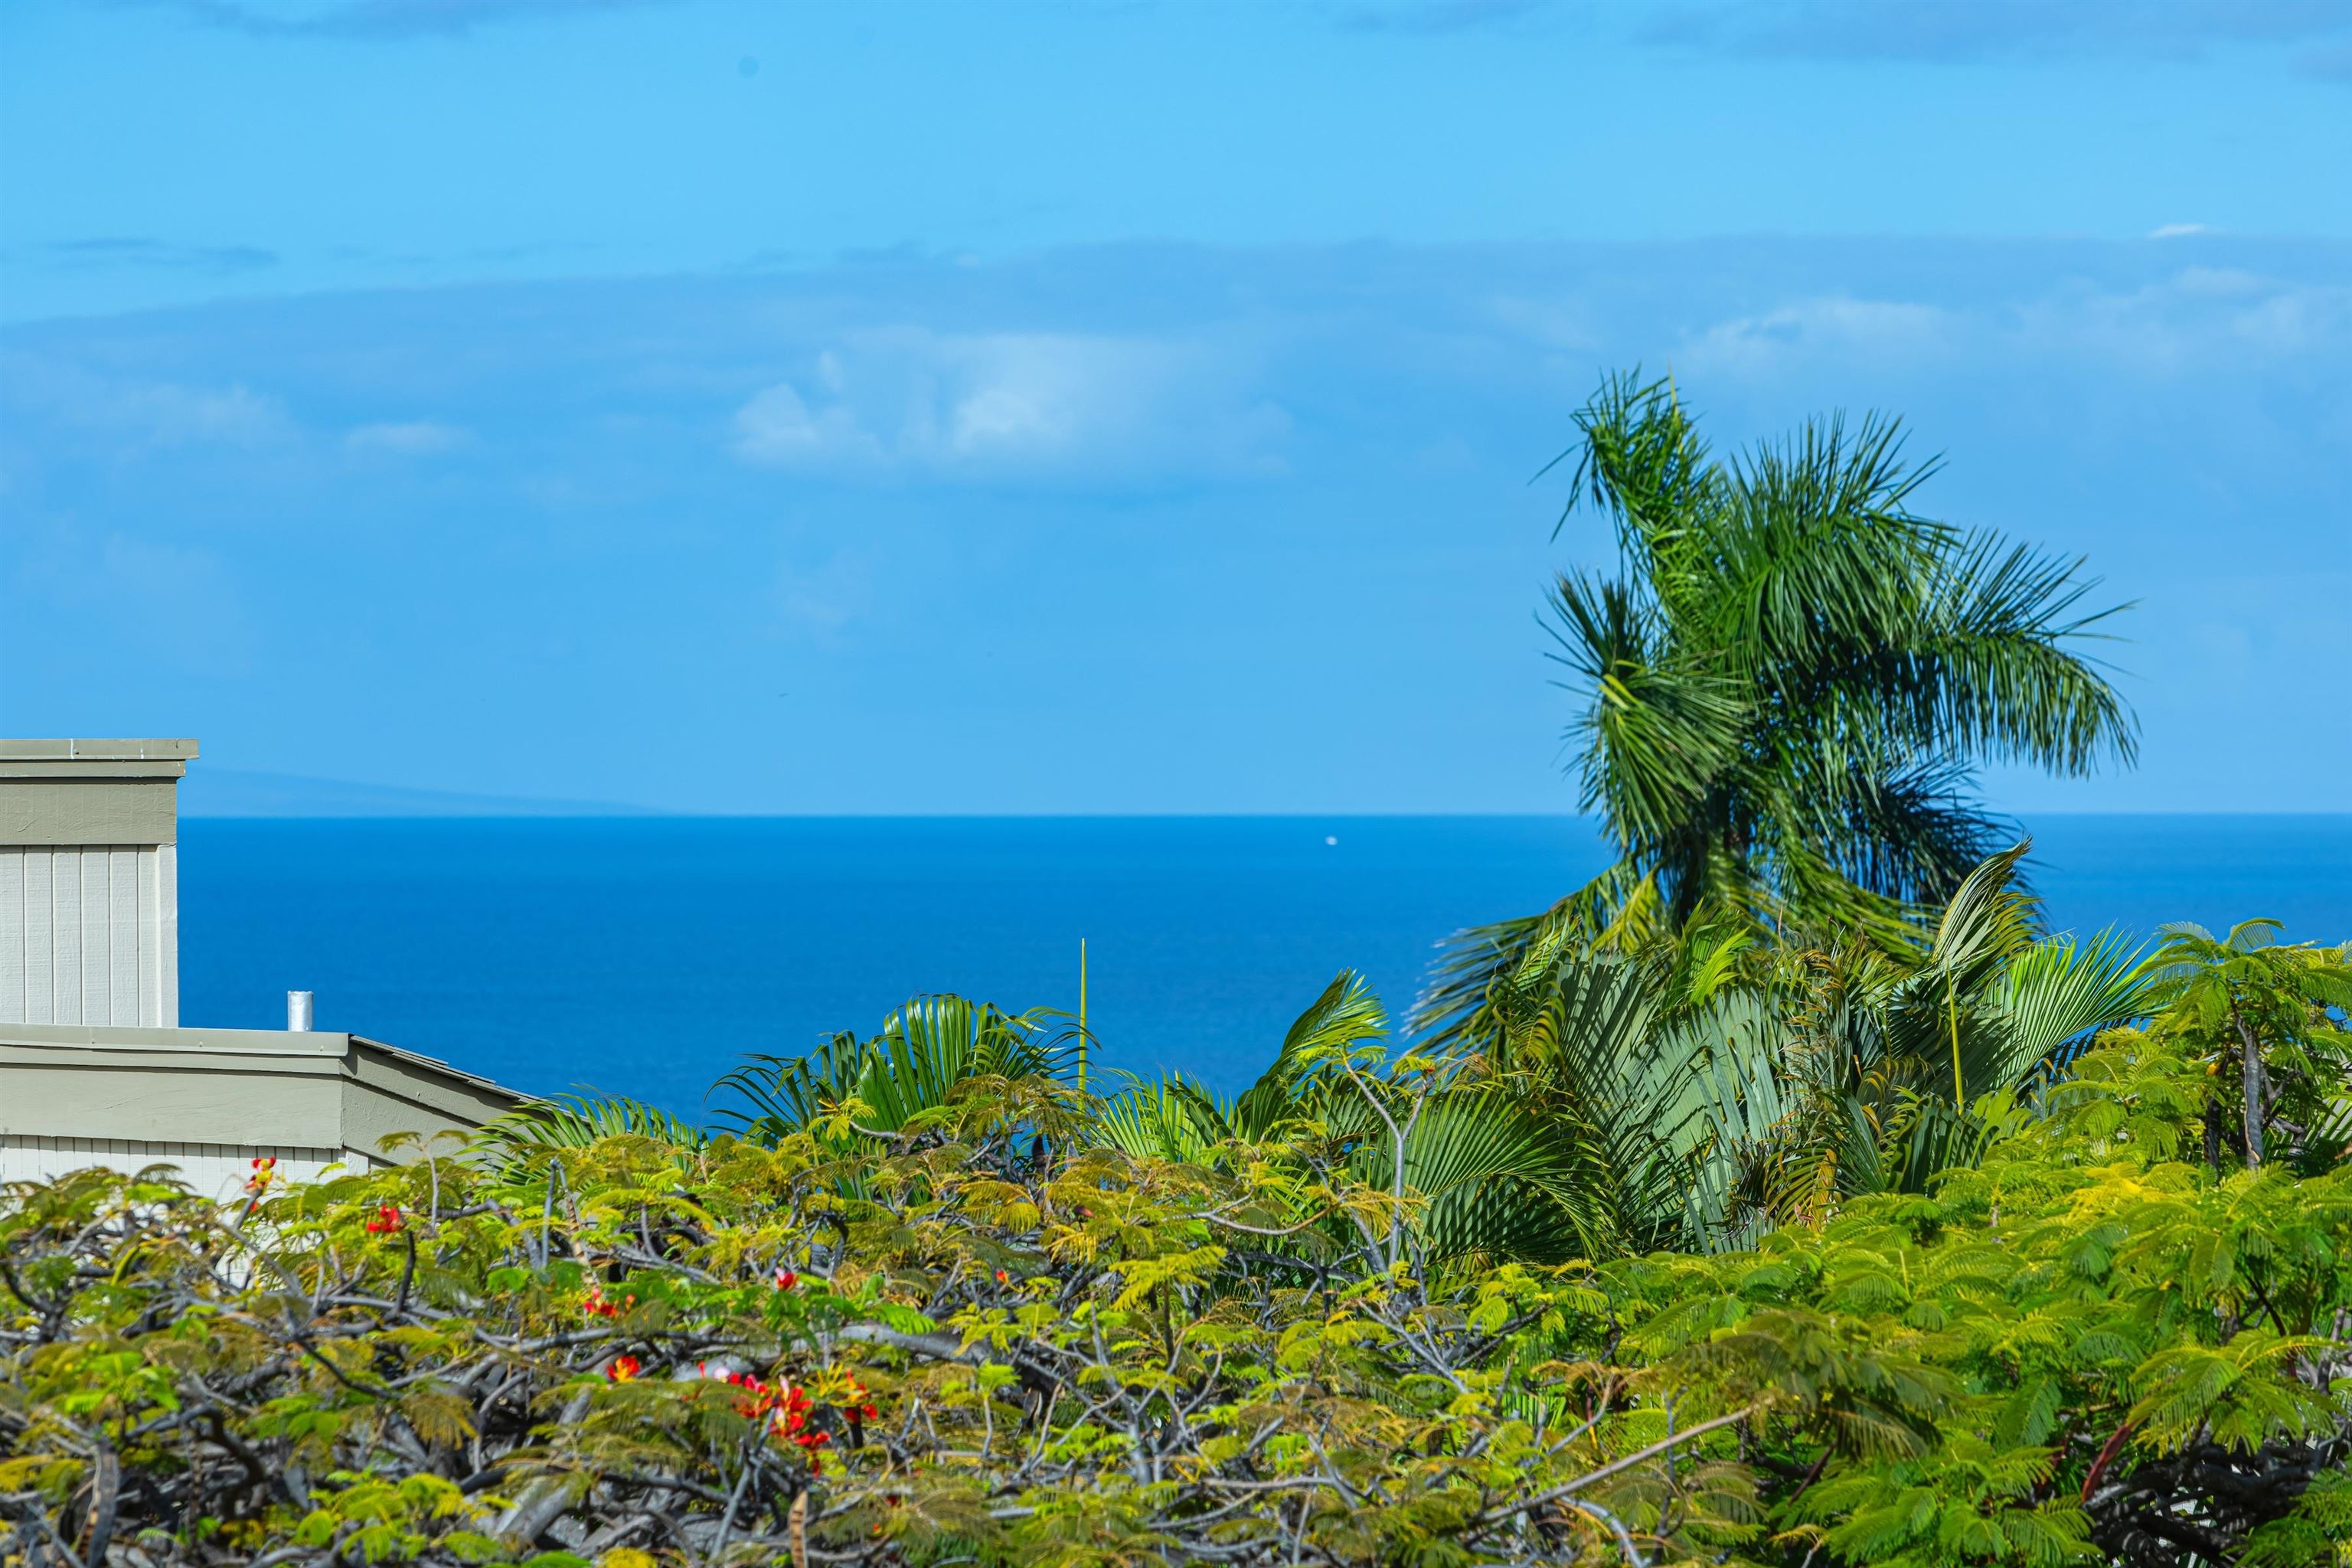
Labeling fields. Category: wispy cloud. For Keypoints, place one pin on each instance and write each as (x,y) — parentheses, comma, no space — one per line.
(1434,16)
(1050,405)
(378,18)
(1967,30)
(407,439)
(128,415)
(1832,327)
(2195,320)
(2315,34)
(129,250)
(2177,231)
(2198,320)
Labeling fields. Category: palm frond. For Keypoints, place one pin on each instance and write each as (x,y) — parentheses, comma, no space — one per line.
(1616,911)
(1492,1178)
(1173,1120)
(578,1122)
(928,1051)
(2059,992)
(1991,667)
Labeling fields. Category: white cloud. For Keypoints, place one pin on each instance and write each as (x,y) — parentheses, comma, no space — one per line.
(2197,318)
(132,416)
(175,415)
(2202,318)
(1834,326)
(777,428)
(407,439)
(2177,230)
(1014,403)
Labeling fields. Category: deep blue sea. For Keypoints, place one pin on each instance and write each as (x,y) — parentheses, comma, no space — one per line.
(644,955)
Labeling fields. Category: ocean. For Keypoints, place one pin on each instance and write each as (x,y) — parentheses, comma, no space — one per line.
(645,955)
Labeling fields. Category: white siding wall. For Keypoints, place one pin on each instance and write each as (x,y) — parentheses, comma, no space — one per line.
(89,935)
(215,1170)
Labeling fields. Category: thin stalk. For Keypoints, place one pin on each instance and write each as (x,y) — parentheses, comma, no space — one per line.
(1952,1021)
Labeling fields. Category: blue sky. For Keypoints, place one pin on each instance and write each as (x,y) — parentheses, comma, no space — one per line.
(1113,407)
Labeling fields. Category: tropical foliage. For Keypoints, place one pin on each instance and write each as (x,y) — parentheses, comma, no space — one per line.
(2268,1018)
(1770,1256)
(1790,680)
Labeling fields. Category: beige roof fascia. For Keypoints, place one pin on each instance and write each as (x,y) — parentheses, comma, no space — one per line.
(259,1088)
(179,751)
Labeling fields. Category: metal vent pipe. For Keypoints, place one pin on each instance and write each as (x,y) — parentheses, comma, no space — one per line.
(297,1012)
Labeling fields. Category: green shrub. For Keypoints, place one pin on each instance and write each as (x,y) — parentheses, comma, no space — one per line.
(979,1337)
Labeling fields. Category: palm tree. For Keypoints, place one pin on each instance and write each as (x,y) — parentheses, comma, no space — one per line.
(1791,681)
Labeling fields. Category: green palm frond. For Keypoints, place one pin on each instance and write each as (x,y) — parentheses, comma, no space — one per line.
(1492,1177)
(579,1120)
(2058,993)
(1743,1103)
(1173,1120)
(1993,671)
(1345,1015)
(928,1051)
(1472,981)
(1179,1119)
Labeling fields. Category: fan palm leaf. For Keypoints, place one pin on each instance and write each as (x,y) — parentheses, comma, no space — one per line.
(927,1052)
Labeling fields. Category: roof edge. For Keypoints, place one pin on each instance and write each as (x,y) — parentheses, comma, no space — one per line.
(82,751)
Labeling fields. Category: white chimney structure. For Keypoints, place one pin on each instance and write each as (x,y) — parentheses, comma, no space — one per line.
(89,890)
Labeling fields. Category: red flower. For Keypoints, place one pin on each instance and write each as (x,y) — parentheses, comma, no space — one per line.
(786,1279)
(624,1368)
(386,1221)
(1001,1277)
(866,1413)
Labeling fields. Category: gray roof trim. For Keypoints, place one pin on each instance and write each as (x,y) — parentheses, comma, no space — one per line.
(72,751)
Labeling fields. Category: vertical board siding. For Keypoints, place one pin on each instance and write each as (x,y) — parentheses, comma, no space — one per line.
(65,932)
(87,935)
(122,935)
(94,927)
(167,938)
(13,998)
(40,936)
(146,992)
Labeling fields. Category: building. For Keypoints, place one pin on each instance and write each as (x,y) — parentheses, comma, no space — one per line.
(94,1066)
